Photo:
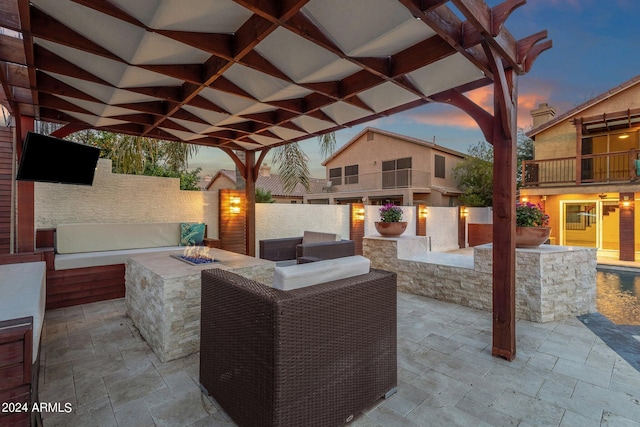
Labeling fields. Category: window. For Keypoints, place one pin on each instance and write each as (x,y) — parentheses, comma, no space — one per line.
(396,173)
(439,167)
(351,174)
(335,176)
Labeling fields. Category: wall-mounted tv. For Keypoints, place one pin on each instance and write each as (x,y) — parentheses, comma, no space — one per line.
(49,159)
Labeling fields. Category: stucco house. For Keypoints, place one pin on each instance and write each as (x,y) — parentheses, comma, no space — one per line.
(226,179)
(378,166)
(584,171)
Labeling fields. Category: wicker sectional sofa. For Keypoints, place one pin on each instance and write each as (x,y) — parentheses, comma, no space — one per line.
(311,246)
(311,356)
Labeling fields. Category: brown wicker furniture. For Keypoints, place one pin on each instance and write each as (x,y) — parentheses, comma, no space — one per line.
(293,248)
(314,356)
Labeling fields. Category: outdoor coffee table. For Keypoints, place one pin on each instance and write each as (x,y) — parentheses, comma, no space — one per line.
(163,296)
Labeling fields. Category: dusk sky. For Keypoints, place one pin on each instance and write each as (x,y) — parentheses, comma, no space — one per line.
(596,47)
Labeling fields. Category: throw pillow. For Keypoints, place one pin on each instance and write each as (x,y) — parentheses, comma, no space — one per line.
(191,234)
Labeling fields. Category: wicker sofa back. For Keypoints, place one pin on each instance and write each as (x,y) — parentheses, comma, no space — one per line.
(313,356)
(312,246)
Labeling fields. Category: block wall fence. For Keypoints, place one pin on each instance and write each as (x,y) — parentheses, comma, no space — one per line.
(118,198)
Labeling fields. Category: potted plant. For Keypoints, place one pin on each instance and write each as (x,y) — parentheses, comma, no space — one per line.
(390,223)
(531,225)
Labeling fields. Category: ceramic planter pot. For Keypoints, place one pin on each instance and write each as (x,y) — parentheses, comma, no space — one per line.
(531,237)
(390,229)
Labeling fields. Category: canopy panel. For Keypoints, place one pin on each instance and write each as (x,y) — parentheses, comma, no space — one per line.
(243,74)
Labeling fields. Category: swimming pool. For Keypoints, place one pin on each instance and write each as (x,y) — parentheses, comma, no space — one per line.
(618,295)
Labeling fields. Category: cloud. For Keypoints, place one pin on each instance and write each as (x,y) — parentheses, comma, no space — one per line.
(447,116)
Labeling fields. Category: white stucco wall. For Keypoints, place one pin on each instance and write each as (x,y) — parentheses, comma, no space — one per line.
(442,228)
(117,198)
(276,220)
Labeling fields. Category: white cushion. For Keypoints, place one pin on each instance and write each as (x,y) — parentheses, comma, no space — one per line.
(23,290)
(96,259)
(312,273)
(75,238)
(317,237)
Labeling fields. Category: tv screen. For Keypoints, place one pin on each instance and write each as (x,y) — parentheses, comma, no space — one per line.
(49,159)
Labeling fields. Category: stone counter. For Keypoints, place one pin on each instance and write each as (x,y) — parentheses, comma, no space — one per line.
(163,296)
(552,282)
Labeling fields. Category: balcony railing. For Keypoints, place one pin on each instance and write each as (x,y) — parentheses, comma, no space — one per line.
(405,178)
(593,168)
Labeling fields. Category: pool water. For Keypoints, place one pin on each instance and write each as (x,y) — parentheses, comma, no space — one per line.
(618,295)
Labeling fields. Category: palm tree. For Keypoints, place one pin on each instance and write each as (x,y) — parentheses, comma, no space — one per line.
(264,196)
(293,163)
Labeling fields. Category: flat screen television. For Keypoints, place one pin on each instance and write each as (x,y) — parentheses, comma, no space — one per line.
(49,159)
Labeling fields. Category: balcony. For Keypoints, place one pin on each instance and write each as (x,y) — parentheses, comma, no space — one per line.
(404,178)
(592,168)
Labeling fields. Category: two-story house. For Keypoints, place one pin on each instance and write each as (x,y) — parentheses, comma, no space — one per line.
(584,171)
(377,167)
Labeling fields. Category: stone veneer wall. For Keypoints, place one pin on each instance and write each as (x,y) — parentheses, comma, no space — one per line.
(116,198)
(552,282)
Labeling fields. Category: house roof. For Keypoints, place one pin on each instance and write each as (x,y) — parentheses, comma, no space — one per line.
(392,135)
(215,73)
(584,106)
(273,183)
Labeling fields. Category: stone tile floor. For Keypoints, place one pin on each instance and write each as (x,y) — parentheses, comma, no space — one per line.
(564,375)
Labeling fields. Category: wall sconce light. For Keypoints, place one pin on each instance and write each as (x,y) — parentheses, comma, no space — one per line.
(234,205)
(626,203)
(424,212)
(464,212)
(360,214)
(524,199)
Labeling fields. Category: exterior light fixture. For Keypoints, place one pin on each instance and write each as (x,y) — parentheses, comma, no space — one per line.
(423,212)
(524,199)
(623,136)
(234,205)
(464,212)
(360,214)
(626,203)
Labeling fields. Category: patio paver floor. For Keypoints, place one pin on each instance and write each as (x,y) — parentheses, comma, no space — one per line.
(564,375)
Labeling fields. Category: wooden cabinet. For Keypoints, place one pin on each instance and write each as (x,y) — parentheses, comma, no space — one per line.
(16,346)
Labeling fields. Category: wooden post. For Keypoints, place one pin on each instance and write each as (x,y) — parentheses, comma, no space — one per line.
(462,226)
(504,215)
(578,124)
(627,250)
(250,202)
(421,220)
(356,225)
(25,218)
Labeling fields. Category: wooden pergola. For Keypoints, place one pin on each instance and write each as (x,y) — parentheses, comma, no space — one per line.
(250,75)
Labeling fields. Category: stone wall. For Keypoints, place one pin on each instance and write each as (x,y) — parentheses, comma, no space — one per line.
(552,282)
(116,198)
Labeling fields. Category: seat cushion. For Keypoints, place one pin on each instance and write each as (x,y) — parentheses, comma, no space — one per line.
(75,238)
(318,237)
(97,259)
(313,273)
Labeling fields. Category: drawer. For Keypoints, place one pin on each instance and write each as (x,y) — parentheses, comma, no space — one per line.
(13,376)
(11,353)
(16,395)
